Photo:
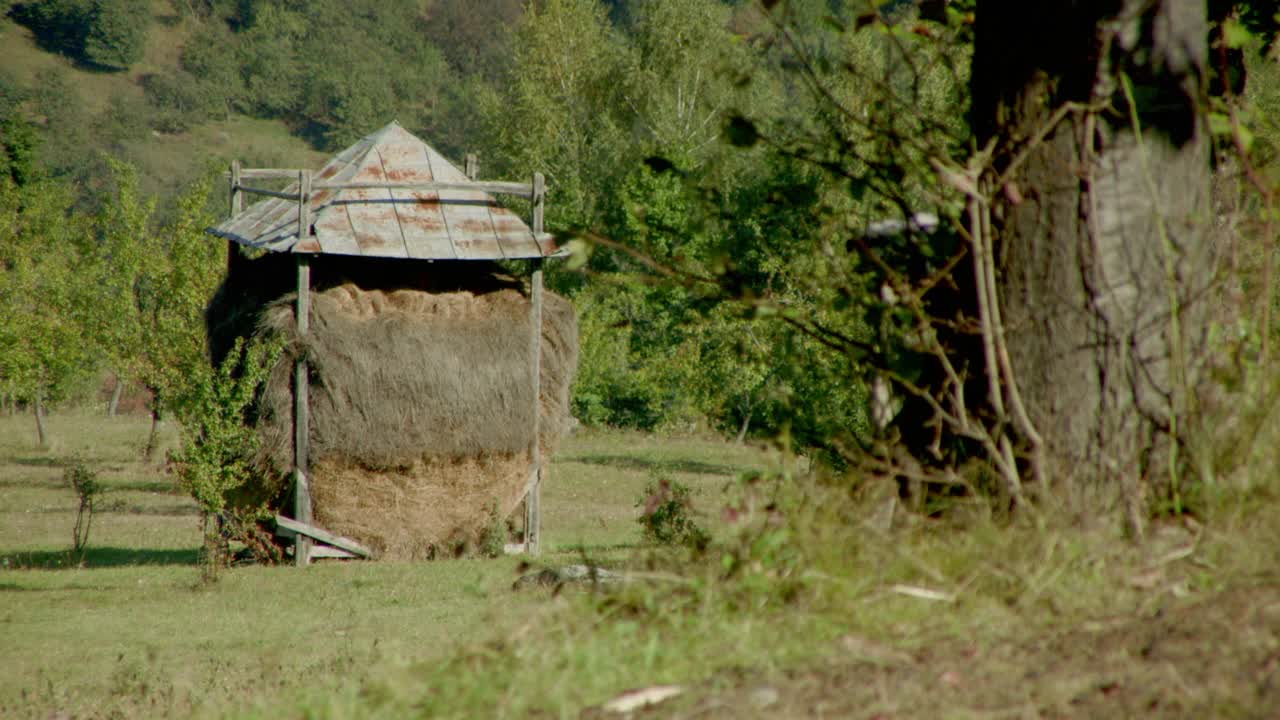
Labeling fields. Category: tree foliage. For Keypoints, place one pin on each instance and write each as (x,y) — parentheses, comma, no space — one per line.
(110,34)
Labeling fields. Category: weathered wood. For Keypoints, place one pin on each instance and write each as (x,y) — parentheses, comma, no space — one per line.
(473,166)
(533,499)
(237,196)
(488,186)
(301,411)
(390,195)
(314,533)
(283,195)
(269,173)
(304,205)
(326,551)
(539,203)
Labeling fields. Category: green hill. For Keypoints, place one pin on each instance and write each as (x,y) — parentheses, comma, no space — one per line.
(85,112)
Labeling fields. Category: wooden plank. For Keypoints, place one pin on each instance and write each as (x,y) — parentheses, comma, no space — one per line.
(317,550)
(326,551)
(539,202)
(304,205)
(323,536)
(301,413)
(269,173)
(493,187)
(533,500)
(283,195)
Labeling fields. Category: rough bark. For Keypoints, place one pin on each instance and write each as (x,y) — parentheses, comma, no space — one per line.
(1103,257)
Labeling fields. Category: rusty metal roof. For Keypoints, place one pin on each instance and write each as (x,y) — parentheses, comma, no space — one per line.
(461,221)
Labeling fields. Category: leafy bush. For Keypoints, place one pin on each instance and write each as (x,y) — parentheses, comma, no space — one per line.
(87,488)
(666,516)
(176,100)
(218,439)
(116,35)
(108,33)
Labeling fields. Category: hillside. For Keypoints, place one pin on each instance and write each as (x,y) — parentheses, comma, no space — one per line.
(107,112)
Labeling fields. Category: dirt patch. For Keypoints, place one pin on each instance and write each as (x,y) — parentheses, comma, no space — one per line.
(1216,655)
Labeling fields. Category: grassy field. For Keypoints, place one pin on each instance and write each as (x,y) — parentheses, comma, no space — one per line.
(129,629)
(810,602)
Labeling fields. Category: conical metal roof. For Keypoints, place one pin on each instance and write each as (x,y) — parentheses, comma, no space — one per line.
(458,222)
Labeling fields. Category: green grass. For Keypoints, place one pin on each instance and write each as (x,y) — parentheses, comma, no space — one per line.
(811,602)
(129,629)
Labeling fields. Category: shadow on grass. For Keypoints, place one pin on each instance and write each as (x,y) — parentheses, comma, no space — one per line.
(630,462)
(97,557)
(38,461)
(166,487)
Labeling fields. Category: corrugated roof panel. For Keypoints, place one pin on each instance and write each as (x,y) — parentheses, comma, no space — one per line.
(445,224)
(519,242)
(373,215)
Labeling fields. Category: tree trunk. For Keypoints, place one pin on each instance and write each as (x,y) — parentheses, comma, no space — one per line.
(149,450)
(114,405)
(37,408)
(742,430)
(1100,231)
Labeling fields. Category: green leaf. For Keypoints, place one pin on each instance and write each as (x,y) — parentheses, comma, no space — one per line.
(1219,123)
(1235,34)
(579,254)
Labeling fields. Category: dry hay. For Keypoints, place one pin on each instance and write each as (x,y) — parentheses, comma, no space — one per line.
(421,407)
(416,511)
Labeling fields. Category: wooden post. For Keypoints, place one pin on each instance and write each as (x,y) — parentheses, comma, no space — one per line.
(539,202)
(237,196)
(533,501)
(304,206)
(301,415)
(473,166)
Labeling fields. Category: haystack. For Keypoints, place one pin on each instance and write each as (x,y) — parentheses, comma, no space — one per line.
(420,393)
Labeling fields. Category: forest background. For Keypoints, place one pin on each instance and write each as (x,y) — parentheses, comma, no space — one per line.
(711,161)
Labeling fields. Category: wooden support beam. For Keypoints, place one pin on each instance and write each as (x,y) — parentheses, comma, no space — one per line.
(492,187)
(325,551)
(270,193)
(312,532)
(539,197)
(304,205)
(269,173)
(301,413)
(473,166)
(533,499)
(237,196)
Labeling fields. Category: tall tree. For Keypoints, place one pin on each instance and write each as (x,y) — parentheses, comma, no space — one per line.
(1102,198)
(43,347)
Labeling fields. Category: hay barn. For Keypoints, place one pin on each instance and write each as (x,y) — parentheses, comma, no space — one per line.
(426,375)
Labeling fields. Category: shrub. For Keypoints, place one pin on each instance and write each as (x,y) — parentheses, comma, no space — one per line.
(666,516)
(87,488)
(219,443)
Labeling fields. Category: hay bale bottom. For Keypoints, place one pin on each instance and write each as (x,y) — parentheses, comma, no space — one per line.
(423,510)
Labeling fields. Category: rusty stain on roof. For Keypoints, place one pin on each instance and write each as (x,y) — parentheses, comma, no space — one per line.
(384,222)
